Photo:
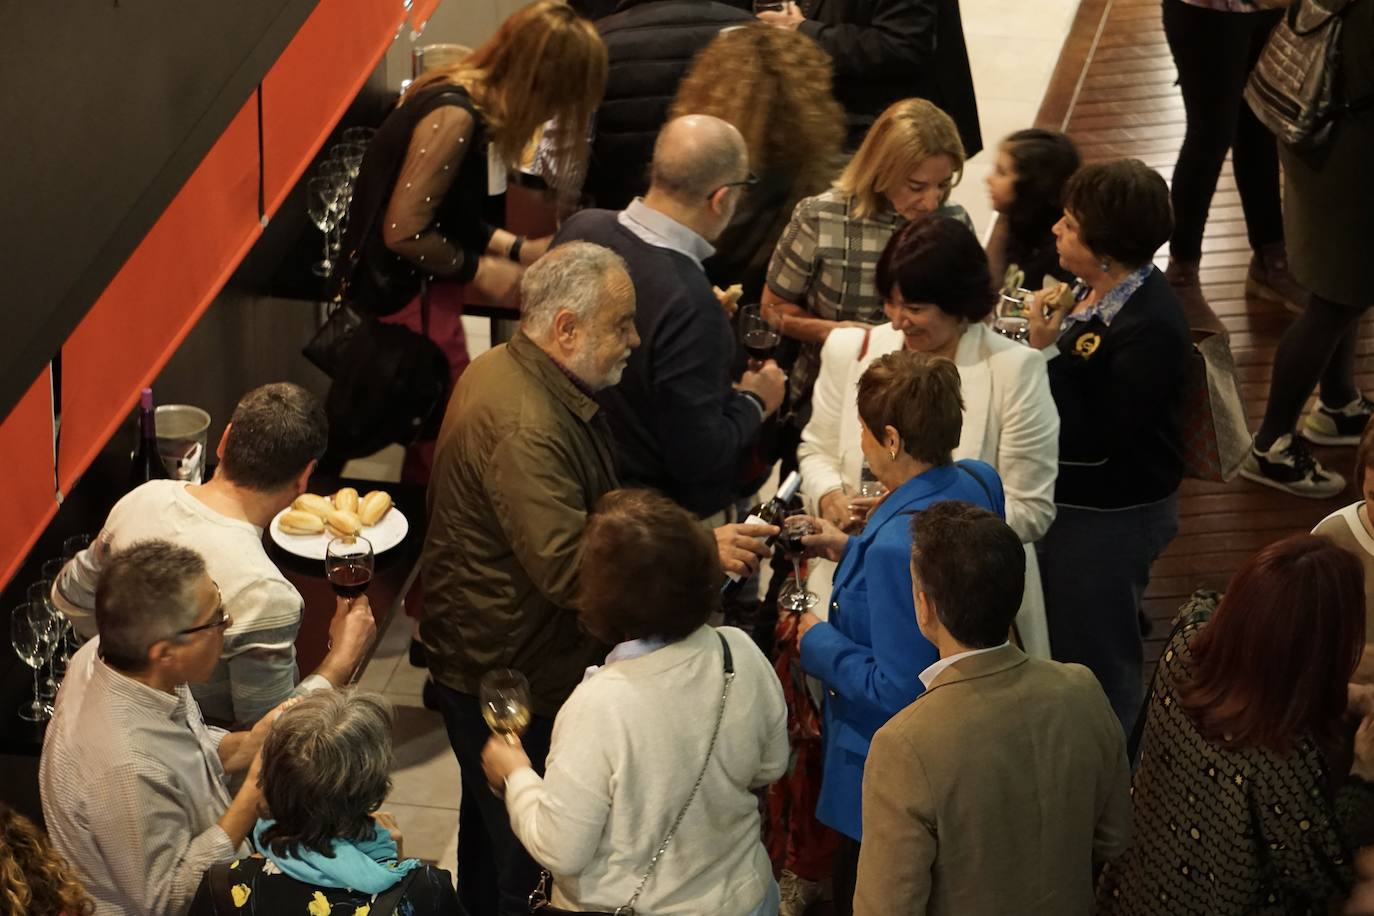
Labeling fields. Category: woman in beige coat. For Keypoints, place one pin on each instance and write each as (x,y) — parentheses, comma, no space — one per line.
(935,285)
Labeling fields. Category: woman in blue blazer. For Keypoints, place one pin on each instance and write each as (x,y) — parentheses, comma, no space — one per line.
(870,654)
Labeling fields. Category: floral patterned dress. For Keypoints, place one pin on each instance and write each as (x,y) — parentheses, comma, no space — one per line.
(256,887)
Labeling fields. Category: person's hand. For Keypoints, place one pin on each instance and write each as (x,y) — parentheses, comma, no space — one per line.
(834,507)
(351,634)
(1045,322)
(769,383)
(1361,901)
(1359,699)
(534,249)
(804,625)
(497,282)
(1363,764)
(500,759)
(789,17)
(829,543)
(742,548)
(387,822)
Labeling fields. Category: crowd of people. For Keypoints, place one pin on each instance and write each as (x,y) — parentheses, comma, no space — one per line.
(955,719)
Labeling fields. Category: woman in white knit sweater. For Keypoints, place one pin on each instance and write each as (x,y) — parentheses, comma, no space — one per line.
(632,740)
(934,279)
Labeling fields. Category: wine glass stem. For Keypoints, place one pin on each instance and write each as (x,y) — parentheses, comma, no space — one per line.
(508,738)
(326,247)
(36,702)
(796,570)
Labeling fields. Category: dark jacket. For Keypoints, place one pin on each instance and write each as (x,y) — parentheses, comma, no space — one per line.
(1118,389)
(679,425)
(885,50)
(651,46)
(522,457)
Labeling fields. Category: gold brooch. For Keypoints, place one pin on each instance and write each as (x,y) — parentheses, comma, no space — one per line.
(1087,345)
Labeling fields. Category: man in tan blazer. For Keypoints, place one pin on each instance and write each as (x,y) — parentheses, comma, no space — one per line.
(1004,787)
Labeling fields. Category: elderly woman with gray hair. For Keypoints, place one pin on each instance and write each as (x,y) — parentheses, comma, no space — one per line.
(326,768)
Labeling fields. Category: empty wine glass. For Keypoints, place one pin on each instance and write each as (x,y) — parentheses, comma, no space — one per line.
(321,198)
(760,338)
(336,172)
(75,544)
(505,697)
(40,599)
(33,635)
(348,565)
(869,484)
(794,595)
(362,136)
(351,155)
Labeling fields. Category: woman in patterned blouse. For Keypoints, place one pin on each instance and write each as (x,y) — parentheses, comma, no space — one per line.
(822,275)
(1237,807)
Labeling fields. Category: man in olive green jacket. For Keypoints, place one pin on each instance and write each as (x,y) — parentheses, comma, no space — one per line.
(522,458)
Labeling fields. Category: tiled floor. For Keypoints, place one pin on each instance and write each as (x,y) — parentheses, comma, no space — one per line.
(1013,46)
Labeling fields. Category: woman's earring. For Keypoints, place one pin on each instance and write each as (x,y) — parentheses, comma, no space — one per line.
(892,454)
(1105,265)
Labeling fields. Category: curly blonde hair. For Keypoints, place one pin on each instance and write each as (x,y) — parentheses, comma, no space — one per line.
(34,879)
(773,85)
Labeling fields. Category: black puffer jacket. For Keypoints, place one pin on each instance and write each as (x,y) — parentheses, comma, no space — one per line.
(651,47)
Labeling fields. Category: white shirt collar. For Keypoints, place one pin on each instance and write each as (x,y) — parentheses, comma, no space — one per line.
(933,671)
(662,231)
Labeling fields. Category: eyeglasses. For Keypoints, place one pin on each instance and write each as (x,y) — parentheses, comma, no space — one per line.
(218,620)
(747,182)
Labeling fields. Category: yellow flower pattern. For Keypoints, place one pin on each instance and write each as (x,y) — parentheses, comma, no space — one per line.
(240,894)
(319,906)
(363,910)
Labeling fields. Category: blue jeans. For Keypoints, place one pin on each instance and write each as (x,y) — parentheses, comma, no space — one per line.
(1095,566)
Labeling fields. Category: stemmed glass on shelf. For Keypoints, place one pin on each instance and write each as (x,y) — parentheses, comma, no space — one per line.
(336,172)
(322,201)
(33,634)
(40,598)
(795,596)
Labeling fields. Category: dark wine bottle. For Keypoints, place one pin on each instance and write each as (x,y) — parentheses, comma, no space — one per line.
(770,513)
(147,464)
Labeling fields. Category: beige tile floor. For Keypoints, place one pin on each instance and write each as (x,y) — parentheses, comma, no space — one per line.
(1013,46)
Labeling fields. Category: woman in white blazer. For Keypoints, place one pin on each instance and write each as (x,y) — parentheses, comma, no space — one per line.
(937,292)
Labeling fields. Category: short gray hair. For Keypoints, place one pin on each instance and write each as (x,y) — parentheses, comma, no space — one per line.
(146,594)
(571,276)
(326,766)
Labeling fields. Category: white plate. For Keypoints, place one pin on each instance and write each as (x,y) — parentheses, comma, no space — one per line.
(384,535)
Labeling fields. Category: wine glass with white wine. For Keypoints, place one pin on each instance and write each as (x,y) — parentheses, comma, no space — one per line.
(505,698)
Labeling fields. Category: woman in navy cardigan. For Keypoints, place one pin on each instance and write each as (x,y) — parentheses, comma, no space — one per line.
(870,654)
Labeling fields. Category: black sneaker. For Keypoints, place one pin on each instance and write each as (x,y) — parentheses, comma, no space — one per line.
(1338,425)
(1290,467)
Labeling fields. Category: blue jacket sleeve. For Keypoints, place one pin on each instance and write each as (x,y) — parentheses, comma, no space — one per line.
(885,678)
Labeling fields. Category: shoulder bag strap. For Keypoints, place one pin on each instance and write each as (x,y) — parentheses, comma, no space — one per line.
(729,664)
(386,904)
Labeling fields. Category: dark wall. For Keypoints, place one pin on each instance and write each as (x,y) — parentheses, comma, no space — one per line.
(107,108)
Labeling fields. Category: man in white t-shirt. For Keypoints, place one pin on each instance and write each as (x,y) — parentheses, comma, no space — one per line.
(266,456)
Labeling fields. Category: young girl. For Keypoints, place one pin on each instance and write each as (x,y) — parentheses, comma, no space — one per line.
(1026,188)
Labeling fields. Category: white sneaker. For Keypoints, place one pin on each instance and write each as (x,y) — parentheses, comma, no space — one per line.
(797,894)
(1290,467)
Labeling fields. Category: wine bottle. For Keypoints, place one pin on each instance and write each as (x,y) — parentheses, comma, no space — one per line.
(147,463)
(770,513)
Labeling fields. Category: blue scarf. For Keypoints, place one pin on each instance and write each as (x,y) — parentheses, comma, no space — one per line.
(369,866)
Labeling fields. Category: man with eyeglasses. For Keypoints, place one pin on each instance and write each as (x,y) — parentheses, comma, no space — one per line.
(135,785)
(680,426)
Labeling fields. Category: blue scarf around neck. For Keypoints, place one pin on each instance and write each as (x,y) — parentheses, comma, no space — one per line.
(369,866)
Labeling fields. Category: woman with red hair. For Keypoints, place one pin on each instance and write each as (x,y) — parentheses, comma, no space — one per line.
(1237,807)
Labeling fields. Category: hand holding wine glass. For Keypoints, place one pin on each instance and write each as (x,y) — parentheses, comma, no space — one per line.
(795,596)
(759,337)
(348,565)
(505,698)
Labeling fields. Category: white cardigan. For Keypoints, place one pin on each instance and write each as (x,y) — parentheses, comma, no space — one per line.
(627,747)
(1010,421)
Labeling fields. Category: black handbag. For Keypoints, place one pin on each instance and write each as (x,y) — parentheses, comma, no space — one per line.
(540,896)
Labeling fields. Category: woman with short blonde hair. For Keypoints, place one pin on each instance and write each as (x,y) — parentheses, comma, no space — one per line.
(823,272)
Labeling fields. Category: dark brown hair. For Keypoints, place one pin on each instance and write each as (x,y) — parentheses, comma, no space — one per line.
(34,878)
(649,568)
(972,567)
(1044,161)
(938,260)
(1364,457)
(276,430)
(1122,208)
(1272,664)
(917,395)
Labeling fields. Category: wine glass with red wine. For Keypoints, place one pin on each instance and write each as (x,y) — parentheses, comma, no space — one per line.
(348,565)
(795,596)
(760,338)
